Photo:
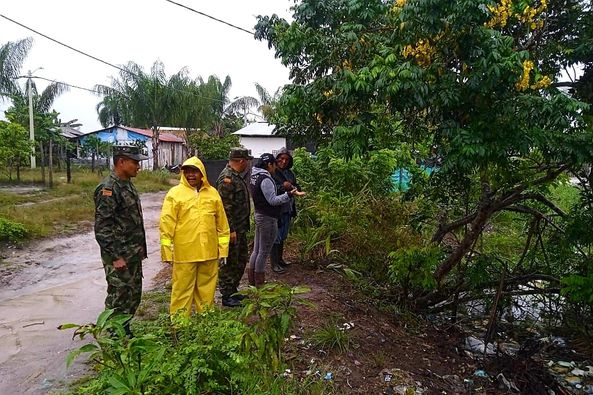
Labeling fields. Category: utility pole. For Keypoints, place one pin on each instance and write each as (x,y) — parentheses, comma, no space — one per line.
(31,122)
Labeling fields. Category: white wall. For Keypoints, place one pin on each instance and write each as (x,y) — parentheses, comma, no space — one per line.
(260,145)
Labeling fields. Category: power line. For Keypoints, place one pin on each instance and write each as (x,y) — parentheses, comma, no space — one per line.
(65,45)
(67,84)
(111,64)
(211,17)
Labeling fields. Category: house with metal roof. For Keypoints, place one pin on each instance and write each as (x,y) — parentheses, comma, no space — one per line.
(172,149)
(259,137)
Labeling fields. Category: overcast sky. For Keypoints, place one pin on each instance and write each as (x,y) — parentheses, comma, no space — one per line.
(142,31)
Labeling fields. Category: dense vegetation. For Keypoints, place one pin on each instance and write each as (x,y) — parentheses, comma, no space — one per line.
(475,89)
(482,93)
(218,351)
(19,212)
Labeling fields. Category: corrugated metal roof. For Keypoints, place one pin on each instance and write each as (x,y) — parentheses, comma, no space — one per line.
(165,137)
(261,129)
(69,132)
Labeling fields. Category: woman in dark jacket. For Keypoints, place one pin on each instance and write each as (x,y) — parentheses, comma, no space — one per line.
(267,211)
(285,181)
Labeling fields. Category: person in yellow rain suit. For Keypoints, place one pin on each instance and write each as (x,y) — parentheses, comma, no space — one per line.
(194,237)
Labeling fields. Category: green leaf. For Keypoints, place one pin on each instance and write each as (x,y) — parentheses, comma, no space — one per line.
(103,317)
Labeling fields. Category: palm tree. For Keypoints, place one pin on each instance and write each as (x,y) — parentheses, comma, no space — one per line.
(264,105)
(144,100)
(267,102)
(12,56)
(218,93)
(243,105)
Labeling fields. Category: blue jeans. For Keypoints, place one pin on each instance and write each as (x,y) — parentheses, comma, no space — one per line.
(283,228)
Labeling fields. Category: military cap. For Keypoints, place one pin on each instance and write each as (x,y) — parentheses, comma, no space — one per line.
(267,159)
(240,153)
(129,151)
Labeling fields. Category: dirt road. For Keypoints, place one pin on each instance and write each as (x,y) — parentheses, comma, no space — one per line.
(60,280)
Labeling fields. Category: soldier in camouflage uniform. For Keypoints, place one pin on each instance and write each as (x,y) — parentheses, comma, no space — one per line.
(119,230)
(233,190)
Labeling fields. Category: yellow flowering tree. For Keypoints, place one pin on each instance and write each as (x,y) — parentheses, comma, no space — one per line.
(474,83)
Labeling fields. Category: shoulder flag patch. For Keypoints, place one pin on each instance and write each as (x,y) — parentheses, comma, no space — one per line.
(227,180)
(106,192)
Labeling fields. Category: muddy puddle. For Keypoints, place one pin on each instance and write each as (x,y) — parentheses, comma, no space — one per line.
(58,281)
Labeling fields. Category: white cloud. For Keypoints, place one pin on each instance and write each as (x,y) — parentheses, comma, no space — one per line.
(142,31)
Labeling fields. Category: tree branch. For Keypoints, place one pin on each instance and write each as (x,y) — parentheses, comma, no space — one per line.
(528,210)
(542,199)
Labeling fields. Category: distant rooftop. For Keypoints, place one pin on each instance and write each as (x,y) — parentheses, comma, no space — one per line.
(262,129)
(70,132)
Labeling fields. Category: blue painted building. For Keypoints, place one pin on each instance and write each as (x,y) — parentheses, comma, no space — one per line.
(172,148)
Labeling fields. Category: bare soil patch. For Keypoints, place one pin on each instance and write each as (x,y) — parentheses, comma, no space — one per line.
(391,353)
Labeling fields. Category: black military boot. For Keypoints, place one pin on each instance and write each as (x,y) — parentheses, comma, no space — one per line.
(281,260)
(275,259)
(230,301)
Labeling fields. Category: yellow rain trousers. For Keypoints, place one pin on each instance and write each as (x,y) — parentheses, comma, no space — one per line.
(194,235)
(193,282)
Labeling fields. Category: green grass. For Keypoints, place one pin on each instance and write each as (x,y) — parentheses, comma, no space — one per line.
(331,336)
(65,208)
(565,196)
(154,303)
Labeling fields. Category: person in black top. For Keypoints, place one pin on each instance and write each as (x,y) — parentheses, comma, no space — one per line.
(285,181)
(267,211)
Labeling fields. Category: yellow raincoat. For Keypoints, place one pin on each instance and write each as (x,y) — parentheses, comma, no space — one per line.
(194,235)
(193,226)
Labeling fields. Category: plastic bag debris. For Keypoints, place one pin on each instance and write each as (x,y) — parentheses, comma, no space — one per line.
(476,345)
(508,384)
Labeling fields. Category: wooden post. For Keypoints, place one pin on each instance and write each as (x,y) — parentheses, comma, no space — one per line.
(51,164)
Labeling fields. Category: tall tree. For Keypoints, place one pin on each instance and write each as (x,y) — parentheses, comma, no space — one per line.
(143,100)
(267,101)
(264,103)
(471,82)
(12,56)
(14,146)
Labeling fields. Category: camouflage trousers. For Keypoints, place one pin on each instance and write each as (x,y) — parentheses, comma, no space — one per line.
(230,274)
(124,287)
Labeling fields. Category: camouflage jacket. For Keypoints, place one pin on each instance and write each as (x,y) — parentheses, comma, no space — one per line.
(235,197)
(119,227)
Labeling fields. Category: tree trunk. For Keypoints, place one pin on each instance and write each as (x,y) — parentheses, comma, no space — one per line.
(485,209)
(93,162)
(68,170)
(42,160)
(18,169)
(59,158)
(155,148)
(51,164)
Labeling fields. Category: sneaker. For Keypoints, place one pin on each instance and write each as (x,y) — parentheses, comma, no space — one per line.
(231,302)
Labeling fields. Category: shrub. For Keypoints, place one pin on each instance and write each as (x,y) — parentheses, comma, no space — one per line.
(215,352)
(12,231)
(332,336)
(331,173)
(412,268)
